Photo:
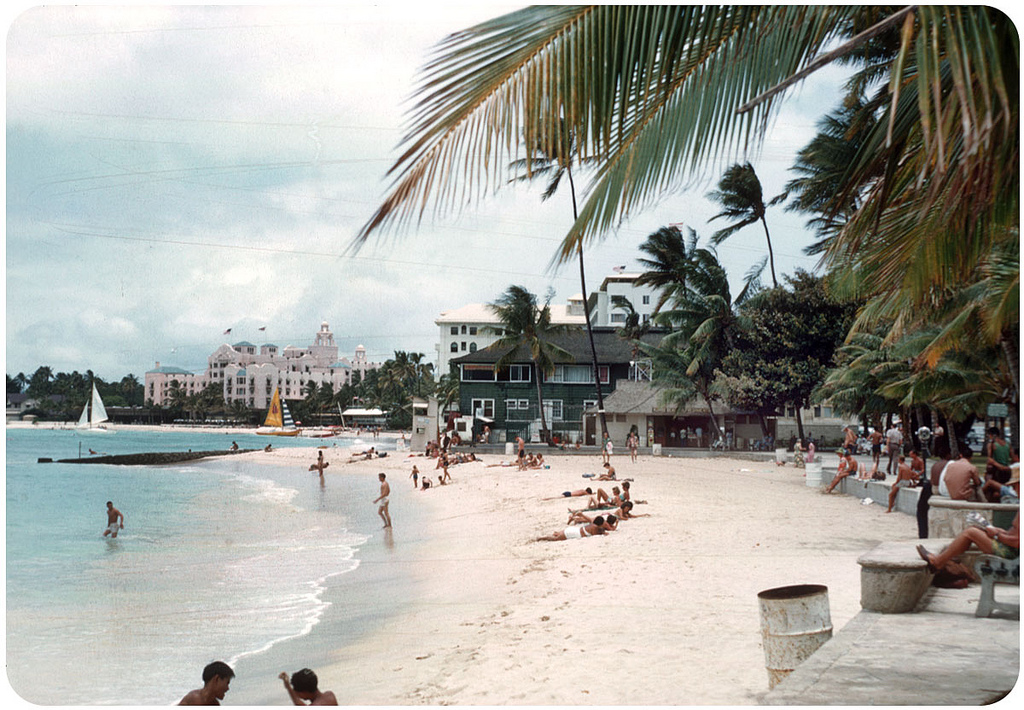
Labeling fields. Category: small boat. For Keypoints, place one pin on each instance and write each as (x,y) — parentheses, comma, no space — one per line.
(279,419)
(93,414)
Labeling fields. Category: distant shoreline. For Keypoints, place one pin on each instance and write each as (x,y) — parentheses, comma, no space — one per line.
(229,429)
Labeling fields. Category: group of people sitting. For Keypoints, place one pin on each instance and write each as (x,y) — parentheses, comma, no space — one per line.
(588,521)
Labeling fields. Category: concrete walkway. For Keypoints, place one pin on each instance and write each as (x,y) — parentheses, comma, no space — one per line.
(940,654)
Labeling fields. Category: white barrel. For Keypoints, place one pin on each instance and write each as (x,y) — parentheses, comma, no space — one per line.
(510,447)
(795,622)
(780,456)
(656,449)
(813,472)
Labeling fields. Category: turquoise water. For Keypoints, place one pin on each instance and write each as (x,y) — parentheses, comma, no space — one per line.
(219,560)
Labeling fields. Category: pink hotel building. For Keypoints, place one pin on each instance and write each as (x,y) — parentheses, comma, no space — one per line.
(251,377)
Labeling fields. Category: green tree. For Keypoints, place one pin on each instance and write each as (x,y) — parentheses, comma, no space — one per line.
(668,257)
(740,195)
(785,347)
(665,92)
(703,321)
(526,326)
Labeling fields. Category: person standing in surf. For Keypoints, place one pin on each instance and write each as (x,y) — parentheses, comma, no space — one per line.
(382,500)
(115,521)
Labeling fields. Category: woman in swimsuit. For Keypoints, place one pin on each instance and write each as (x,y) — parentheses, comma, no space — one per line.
(588,530)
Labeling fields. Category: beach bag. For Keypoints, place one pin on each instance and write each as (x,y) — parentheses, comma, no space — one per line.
(953,576)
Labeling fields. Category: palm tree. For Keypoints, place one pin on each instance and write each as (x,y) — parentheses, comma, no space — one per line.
(655,95)
(554,163)
(527,326)
(740,195)
(703,317)
(667,261)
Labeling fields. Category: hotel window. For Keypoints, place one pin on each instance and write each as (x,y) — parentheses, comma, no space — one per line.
(817,412)
(646,300)
(519,373)
(472,330)
(477,373)
(472,347)
(553,409)
(455,330)
(455,347)
(463,346)
(618,318)
(483,407)
(826,412)
(463,330)
(517,409)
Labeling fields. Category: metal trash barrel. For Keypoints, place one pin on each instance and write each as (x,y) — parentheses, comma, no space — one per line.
(780,456)
(813,473)
(509,448)
(795,622)
(656,450)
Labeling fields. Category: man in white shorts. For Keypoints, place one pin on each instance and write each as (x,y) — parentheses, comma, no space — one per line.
(382,501)
(115,521)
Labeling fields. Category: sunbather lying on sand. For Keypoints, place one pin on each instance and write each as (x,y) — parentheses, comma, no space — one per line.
(572,533)
(623,512)
(574,494)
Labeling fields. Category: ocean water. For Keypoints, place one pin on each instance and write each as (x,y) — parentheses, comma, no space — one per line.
(219,560)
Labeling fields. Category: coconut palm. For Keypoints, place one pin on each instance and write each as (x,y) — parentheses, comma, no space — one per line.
(667,261)
(552,163)
(741,197)
(525,325)
(655,95)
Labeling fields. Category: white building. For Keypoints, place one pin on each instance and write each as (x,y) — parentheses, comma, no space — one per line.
(249,373)
(604,313)
(463,330)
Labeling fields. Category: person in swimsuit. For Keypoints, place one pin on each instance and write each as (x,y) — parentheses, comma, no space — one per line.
(906,478)
(609,473)
(875,439)
(415,476)
(571,533)
(216,682)
(303,687)
(573,494)
(991,541)
(115,521)
(382,500)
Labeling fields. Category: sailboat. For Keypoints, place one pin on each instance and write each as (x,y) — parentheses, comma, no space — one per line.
(93,414)
(279,419)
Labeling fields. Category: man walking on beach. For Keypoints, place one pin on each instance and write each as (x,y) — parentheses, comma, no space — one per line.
(216,681)
(382,500)
(115,521)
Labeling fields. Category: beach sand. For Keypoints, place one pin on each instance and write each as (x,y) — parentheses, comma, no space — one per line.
(661,612)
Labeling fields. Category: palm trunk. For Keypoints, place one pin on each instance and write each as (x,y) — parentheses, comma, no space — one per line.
(714,421)
(540,405)
(586,312)
(771,255)
(799,422)
(1011,352)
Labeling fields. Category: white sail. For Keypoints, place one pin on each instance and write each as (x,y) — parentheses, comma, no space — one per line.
(99,412)
(286,416)
(83,421)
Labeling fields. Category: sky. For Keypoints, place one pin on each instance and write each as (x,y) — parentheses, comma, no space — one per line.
(177,171)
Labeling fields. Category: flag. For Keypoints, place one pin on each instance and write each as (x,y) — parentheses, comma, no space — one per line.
(618,269)
(227,331)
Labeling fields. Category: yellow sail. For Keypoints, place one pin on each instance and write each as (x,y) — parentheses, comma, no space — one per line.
(274,417)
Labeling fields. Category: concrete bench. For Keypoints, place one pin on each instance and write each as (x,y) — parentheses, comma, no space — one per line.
(893,577)
(992,570)
(948,518)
